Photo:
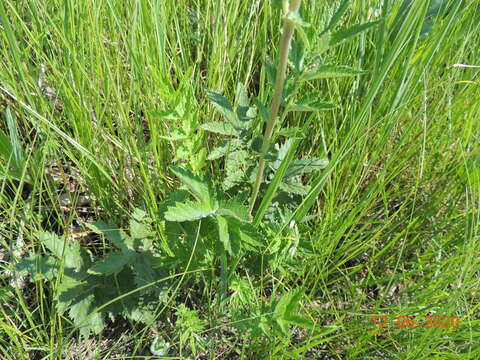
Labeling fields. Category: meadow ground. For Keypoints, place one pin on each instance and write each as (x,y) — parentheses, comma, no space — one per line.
(373,256)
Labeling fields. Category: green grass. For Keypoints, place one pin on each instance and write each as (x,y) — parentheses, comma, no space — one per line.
(391,226)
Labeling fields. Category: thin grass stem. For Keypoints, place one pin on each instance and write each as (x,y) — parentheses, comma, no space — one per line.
(287,33)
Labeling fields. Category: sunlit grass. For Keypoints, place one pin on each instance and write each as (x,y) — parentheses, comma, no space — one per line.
(391,226)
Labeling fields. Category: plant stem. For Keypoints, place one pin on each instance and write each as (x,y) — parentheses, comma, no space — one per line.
(287,33)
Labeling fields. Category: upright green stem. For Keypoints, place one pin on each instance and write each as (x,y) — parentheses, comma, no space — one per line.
(287,33)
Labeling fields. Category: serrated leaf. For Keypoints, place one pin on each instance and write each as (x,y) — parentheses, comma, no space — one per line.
(234,209)
(113,234)
(71,253)
(145,273)
(330,71)
(281,153)
(256,145)
(219,127)
(188,211)
(182,152)
(233,178)
(242,292)
(323,43)
(285,156)
(70,289)
(271,71)
(112,264)
(140,231)
(251,112)
(249,235)
(167,115)
(159,347)
(288,303)
(235,167)
(197,161)
(199,188)
(286,307)
(302,34)
(223,105)
(262,109)
(53,243)
(347,33)
(219,151)
(245,115)
(83,318)
(235,240)
(294,17)
(38,267)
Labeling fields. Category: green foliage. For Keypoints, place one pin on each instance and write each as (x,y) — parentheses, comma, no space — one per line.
(190,328)
(285,311)
(274,319)
(11,150)
(159,347)
(233,236)
(330,71)
(322,242)
(242,149)
(123,282)
(345,34)
(187,137)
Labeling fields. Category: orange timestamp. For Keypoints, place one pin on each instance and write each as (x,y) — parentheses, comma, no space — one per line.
(409,322)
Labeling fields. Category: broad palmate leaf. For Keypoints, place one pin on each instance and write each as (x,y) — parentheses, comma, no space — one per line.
(85,318)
